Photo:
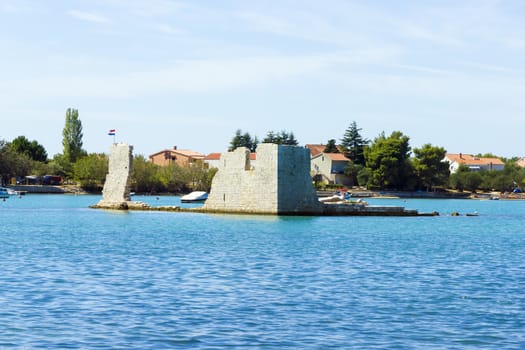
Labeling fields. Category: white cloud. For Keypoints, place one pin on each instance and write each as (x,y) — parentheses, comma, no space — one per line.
(88,16)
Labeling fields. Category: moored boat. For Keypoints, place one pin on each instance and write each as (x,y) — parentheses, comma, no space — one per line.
(196,196)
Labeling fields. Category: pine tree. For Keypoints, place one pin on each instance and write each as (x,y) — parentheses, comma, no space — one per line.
(243,140)
(281,138)
(331,147)
(353,144)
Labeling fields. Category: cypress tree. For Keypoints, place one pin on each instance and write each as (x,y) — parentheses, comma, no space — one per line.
(72,136)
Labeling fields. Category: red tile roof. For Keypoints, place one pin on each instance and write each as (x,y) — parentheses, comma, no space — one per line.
(184,152)
(217,156)
(337,157)
(213,156)
(469,159)
(316,149)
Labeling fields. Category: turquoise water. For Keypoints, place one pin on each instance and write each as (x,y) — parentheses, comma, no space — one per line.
(74,277)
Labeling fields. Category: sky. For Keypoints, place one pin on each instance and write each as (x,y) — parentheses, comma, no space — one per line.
(167,73)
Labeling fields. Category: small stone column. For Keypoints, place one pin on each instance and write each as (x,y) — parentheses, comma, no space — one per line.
(116,193)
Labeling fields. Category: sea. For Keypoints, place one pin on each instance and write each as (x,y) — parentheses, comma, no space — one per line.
(72,277)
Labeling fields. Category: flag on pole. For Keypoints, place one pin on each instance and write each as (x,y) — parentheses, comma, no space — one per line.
(112,132)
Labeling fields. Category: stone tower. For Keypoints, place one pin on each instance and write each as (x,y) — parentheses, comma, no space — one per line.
(116,193)
(278,183)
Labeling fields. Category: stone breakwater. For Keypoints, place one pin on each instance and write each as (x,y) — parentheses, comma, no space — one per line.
(328,210)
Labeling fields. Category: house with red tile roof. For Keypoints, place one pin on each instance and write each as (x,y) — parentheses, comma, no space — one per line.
(330,168)
(213,159)
(521,162)
(474,163)
(317,148)
(182,157)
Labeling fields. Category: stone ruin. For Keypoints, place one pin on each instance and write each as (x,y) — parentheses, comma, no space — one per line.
(279,182)
(116,191)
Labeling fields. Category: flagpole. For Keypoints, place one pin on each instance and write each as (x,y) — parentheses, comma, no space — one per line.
(113,132)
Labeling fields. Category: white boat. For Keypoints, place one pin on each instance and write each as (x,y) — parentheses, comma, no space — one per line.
(196,196)
(4,193)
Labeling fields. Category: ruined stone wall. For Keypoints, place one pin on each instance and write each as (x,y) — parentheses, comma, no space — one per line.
(279,183)
(116,188)
(236,186)
(296,192)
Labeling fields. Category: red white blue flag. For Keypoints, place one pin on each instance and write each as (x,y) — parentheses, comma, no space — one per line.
(112,132)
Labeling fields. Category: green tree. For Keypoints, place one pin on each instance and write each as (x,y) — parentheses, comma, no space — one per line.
(352,170)
(429,166)
(49,168)
(198,176)
(243,140)
(72,136)
(331,147)
(363,177)
(353,144)
(174,178)
(90,171)
(62,166)
(472,180)
(511,177)
(506,180)
(281,138)
(387,160)
(12,163)
(458,180)
(144,177)
(150,178)
(32,149)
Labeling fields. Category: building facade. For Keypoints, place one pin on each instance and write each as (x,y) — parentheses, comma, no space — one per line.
(179,156)
(474,163)
(330,168)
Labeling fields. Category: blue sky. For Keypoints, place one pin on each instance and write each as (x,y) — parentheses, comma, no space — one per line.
(190,73)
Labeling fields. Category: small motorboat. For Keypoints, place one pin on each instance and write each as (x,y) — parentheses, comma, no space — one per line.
(4,193)
(195,196)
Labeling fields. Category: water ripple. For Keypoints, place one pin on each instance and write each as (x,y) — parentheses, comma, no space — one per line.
(81,278)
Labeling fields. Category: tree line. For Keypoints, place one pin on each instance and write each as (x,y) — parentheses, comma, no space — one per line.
(22,157)
(388,162)
(385,163)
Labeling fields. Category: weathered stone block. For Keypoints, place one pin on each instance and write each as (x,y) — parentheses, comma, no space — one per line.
(116,192)
(279,183)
